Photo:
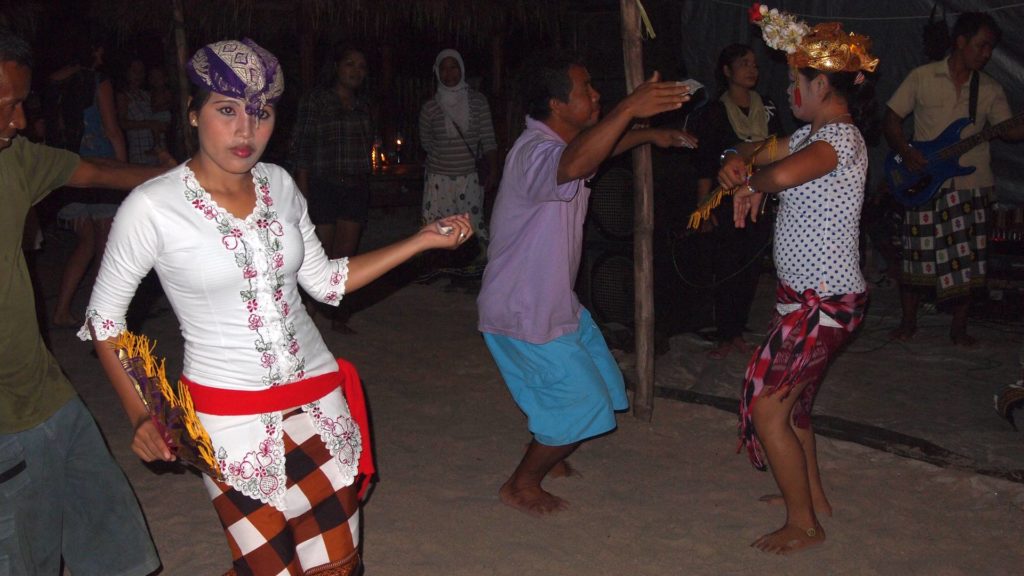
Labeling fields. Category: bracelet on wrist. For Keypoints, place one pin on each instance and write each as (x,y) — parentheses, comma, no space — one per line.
(726,152)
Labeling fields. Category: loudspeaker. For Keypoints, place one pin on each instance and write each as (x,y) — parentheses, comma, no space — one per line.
(607,288)
(605,283)
(611,206)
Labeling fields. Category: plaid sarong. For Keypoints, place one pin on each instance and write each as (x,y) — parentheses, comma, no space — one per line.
(945,243)
(317,533)
(797,349)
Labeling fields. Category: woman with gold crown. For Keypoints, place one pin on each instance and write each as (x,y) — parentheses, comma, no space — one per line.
(818,173)
(232,243)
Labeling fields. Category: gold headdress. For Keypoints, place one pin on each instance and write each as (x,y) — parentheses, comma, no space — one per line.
(825,47)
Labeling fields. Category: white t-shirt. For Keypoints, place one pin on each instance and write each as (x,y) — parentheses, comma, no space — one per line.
(816,232)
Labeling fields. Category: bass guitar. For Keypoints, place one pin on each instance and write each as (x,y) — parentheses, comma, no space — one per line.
(914,188)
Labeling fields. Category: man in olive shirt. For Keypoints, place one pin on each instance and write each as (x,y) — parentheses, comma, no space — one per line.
(61,493)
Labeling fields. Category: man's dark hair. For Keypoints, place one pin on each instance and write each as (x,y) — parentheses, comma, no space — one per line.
(328,76)
(545,76)
(14,49)
(969,23)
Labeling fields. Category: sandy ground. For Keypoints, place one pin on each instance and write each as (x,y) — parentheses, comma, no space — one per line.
(669,496)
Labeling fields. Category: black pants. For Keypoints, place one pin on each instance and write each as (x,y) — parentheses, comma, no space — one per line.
(737,257)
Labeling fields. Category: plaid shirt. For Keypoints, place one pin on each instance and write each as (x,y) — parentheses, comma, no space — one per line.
(330,140)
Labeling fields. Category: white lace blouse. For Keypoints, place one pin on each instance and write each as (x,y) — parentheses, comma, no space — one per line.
(234,286)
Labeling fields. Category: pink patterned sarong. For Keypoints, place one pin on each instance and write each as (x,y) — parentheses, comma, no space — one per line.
(797,349)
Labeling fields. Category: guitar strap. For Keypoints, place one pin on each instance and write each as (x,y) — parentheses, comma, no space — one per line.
(973,103)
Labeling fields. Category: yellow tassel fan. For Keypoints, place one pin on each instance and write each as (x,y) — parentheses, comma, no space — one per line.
(170,407)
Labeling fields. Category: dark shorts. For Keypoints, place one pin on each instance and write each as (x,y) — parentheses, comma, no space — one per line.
(333,199)
(62,495)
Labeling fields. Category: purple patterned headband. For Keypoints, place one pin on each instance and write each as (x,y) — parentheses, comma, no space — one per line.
(240,70)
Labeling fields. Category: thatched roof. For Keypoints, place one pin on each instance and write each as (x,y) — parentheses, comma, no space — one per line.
(470,21)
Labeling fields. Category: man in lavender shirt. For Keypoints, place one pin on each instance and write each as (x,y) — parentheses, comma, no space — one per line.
(549,351)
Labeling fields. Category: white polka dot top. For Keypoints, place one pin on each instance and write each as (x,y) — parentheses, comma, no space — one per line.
(817,227)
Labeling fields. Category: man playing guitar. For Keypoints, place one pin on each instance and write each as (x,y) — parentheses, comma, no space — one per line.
(944,239)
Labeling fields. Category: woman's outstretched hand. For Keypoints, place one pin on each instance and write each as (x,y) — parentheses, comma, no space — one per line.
(449,232)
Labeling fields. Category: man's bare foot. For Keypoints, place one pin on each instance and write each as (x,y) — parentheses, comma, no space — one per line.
(532,500)
(562,469)
(963,340)
(903,333)
(740,345)
(720,351)
(822,507)
(789,539)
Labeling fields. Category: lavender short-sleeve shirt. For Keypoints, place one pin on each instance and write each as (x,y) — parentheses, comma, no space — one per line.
(536,243)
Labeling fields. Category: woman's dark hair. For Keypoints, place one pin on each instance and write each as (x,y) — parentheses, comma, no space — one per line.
(329,71)
(545,76)
(199,98)
(860,98)
(970,23)
(726,57)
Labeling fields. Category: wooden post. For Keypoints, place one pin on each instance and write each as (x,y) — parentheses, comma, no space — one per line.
(643,225)
(181,43)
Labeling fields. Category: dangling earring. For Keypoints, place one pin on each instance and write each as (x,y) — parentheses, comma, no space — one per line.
(797,100)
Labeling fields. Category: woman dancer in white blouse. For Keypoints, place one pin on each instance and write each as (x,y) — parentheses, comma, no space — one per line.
(232,243)
(819,173)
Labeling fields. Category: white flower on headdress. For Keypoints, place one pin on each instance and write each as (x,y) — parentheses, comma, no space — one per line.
(781,31)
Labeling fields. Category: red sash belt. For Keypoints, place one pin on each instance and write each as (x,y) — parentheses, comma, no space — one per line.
(221,402)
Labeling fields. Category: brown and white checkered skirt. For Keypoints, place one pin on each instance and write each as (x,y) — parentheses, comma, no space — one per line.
(945,242)
(318,530)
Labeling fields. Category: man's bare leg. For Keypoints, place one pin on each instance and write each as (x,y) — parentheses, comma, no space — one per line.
(325,232)
(788,464)
(958,329)
(561,469)
(822,507)
(910,298)
(74,270)
(522,490)
(346,238)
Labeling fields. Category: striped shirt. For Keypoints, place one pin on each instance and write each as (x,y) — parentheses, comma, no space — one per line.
(331,140)
(451,156)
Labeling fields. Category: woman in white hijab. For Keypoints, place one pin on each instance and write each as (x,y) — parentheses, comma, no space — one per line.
(458,136)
